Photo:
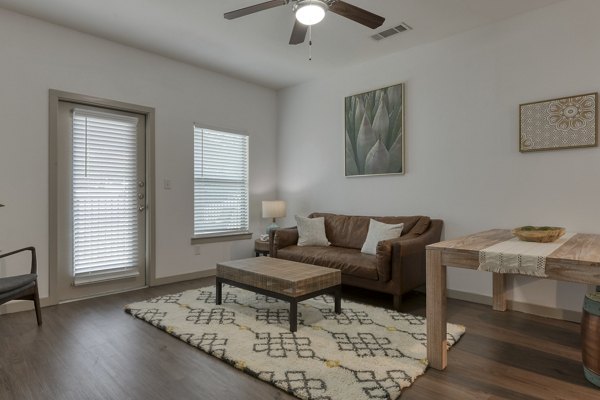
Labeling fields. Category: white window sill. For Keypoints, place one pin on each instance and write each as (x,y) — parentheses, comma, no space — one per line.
(100,277)
(221,238)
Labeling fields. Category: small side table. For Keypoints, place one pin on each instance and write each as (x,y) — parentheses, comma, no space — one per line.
(261,247)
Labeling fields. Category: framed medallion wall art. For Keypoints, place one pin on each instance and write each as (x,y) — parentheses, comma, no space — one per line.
(564,123)
(374,134)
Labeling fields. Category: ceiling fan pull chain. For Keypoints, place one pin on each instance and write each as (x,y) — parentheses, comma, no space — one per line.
(309,43)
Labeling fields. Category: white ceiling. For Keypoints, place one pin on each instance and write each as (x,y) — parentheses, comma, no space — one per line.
(255,48)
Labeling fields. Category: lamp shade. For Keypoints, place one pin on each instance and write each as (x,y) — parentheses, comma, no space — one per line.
(273,209)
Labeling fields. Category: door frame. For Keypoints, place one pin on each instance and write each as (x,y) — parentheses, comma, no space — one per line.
(56,96)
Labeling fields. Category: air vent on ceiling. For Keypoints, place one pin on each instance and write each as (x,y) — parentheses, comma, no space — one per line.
(391,31)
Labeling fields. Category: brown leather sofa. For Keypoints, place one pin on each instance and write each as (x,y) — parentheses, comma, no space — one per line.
(398,266)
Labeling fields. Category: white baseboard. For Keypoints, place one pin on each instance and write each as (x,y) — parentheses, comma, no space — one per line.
(184,277)
(534,309)
(27,305)
(22,305)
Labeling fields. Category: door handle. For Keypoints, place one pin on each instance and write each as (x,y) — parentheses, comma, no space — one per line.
(141,208)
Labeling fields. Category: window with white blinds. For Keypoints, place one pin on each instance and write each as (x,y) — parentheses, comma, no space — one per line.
(220,183)
(105,203)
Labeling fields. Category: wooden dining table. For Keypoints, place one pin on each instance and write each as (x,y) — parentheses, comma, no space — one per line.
(577,260)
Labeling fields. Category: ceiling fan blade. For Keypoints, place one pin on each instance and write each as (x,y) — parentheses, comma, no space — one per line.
(255,8)
(298,33)
(357,14)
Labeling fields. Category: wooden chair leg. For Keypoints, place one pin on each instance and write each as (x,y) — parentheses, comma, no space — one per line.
(36,302)
(397,302)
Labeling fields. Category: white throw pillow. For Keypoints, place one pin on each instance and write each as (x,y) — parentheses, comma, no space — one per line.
(379,231)
(311,231)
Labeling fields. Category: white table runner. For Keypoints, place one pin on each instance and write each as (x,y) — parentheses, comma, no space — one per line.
(518,257)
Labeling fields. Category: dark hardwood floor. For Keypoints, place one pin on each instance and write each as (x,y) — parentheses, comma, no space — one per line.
(92,349)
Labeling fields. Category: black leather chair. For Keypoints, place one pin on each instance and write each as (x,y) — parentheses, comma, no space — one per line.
(22,287)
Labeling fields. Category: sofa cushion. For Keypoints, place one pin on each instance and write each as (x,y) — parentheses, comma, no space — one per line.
(351,231)
(311,232)
(349,261)
(379,231)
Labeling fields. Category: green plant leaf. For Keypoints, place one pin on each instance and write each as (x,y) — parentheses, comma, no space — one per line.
(370,105)
(395,155)
(364,142)
(351,167)
(381,123)
(394,96)
(348,111)
(377,160)
(359,114)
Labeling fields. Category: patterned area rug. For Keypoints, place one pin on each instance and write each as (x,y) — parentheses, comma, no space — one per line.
(363,353)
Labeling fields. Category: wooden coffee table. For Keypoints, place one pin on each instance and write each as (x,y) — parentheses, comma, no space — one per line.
(578,260)
(281,279)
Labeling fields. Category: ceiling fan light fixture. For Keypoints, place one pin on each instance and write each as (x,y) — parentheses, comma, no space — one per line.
(310,12)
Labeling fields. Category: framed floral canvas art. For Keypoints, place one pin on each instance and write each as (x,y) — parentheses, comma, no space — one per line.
(375,132)
(568,122)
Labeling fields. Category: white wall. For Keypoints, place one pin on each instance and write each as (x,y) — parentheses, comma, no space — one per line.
(463,163)
(36,56)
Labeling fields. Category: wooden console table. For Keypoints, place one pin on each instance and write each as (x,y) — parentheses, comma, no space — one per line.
(578,260)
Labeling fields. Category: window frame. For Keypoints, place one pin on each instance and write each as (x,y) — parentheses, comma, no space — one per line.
(221,237)
(55,249)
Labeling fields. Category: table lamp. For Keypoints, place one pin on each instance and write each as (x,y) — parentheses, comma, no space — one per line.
(273,209)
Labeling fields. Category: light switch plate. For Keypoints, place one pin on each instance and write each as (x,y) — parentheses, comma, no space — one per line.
(167,184)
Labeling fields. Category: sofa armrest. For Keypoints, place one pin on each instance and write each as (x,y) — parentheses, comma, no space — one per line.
(406,251)
(402,246)
(283,237)
(391,252)
(409,244)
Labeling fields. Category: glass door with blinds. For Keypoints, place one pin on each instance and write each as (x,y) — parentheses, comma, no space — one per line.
(102,201)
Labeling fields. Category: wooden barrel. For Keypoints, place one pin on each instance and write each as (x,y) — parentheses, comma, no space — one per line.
(590,338)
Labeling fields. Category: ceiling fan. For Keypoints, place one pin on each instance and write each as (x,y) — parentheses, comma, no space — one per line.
(310,12)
